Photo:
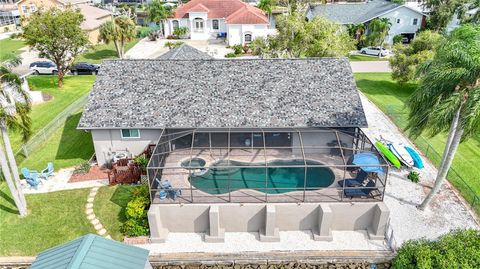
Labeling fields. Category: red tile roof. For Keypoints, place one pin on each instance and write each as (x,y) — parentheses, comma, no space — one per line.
(234,11)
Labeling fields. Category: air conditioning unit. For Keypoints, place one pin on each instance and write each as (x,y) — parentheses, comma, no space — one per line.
(117,155)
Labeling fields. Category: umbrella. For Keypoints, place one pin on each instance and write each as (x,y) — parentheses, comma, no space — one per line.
(366,161)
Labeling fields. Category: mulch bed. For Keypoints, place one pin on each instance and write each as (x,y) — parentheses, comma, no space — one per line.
(95,173)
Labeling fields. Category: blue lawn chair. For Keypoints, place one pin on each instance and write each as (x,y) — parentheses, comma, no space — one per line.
(31,176)
(357,181)
(361,191)
(47,172)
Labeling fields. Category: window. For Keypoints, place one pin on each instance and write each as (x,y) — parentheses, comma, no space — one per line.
(24,9)
(130,133)
(198,25)
(215,24)
(398,20)
(33,8)
(248,38)
(175,24)
(415,21)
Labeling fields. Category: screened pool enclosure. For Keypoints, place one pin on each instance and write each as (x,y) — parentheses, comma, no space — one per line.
(265,165)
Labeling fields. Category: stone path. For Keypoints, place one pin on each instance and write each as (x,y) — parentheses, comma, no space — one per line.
(91,215)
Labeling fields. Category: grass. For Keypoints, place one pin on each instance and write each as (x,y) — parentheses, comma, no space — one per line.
(57,217)
(390,97)
(364,58)
(53,219)
(103,51)
(109,207)
(8,46)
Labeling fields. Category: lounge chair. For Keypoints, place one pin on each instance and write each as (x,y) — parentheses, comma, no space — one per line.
(47,172)
(357,181)
(361,191)
(31,176)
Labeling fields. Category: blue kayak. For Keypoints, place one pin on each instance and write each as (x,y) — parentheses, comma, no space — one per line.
(417,161)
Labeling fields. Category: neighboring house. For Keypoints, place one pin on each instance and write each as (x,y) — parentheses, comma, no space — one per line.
(239,22)
(9,16)
(405,21)
(242,145)
(185,52)
(94,16)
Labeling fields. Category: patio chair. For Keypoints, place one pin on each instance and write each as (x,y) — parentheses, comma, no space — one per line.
(47,172)
(174,193)
(31,176)
(357,181)
(163,184)
(361,192)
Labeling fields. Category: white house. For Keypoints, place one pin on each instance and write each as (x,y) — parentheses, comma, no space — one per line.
(405,20)
(235,20)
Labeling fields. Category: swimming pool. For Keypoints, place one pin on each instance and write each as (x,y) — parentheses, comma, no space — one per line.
(218,177)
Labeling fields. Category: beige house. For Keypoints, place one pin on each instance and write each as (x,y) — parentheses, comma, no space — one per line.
(94,17)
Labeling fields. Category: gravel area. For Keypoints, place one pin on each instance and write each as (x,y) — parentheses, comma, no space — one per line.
(447,210)
(241,242)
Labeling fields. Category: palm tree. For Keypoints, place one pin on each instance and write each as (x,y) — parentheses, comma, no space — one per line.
(448,97)
(14,109)
(157,13)
(119,31)
(377,31)
(267,5)
(357,31)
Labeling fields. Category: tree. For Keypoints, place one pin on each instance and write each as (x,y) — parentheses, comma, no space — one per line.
(56,34)
(378,31)
(357,31)
(119,31)
(448,97)
(157,13)
(406,58)
(14,114)
(442,12)
(300,38)
(267,6)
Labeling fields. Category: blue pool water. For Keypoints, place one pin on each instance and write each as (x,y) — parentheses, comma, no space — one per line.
(219,179)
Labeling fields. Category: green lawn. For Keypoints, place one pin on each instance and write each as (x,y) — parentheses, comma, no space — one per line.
(103,51)
(8,46)
(390,98)
(57,217)
(109,207)
(364,58)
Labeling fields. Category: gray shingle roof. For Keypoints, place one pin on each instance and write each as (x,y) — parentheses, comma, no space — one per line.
(266,93)
(185,52)
(347,13)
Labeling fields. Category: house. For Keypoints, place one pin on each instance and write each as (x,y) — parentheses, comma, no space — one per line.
(242,145)
(94,17)
(404,20)
(9,17)
(93,251)
(239,22)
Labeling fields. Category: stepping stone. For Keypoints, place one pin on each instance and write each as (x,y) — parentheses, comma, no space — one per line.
(91,217)
(94,222)
(89,211)
(98,227)
(90,200)
(108,237)
(95,189)
(89,205)
(102,232)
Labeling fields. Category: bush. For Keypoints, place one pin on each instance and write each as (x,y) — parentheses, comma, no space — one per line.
(136,213)
(230,55)
(83,168)
(457,249)
(172,45)
(238,49)
(133,227)
(140,191)
(145,31)
(414,176)
(259,46)
(397,39)
(180,31)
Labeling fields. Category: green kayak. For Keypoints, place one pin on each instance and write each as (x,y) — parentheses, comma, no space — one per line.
(388,154)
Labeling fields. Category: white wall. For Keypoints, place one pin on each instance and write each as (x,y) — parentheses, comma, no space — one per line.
(406,17)
(208,32)
(107,141)
(236,32)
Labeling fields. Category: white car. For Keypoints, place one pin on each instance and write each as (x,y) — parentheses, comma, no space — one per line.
(375,51)
(43,67)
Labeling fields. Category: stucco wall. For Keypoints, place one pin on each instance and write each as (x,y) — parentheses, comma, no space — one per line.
(38,4)
(406,16)
(108,141)
(321,218)
(236,32)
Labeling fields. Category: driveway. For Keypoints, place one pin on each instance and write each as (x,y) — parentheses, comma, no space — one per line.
(370,66)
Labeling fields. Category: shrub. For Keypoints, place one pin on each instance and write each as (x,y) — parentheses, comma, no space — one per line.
(170,37)
(133,227)
(180,31)
(397,39)
(136,208)
(141,191)
(145,31)
(259,46)
(457,249)
(136,213)
(238,49)
(230,55)
(83,168)
(414,176)
(172,45)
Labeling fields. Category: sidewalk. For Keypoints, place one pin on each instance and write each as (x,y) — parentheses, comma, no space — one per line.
(370,66)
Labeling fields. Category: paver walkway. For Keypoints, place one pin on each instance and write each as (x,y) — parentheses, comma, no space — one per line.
(91,215)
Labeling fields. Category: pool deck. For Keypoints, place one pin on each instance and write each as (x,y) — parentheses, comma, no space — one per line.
(178,177)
